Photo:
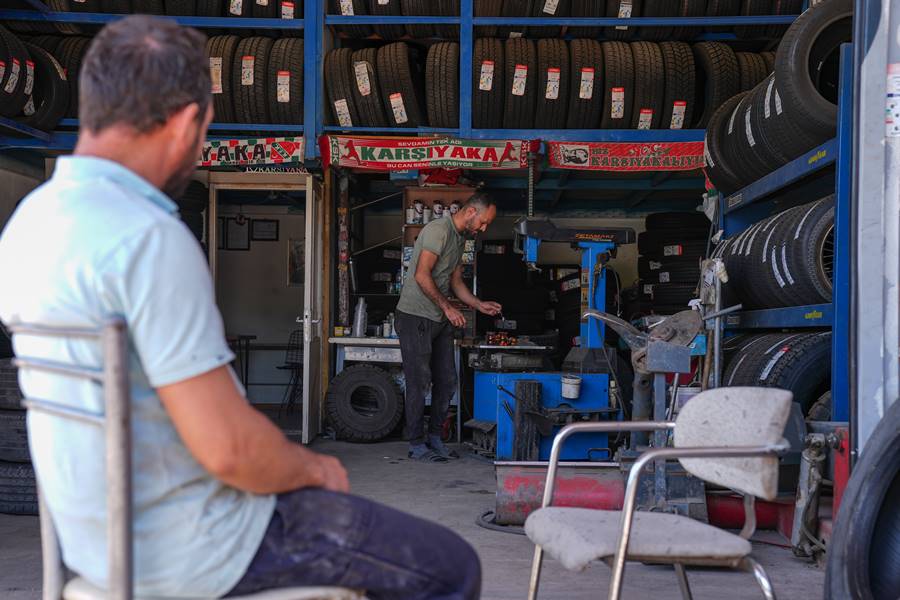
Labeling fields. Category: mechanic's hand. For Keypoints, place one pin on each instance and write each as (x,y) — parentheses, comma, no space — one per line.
(490,308)
(455,317)
(332,474)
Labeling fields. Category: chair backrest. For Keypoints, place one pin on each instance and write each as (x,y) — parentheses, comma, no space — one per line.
(294,354)
(735,416)
(116,423)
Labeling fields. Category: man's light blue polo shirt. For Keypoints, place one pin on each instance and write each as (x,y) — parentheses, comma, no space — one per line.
(98,240)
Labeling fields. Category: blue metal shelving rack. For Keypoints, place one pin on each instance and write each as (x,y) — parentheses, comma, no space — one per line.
(754,202)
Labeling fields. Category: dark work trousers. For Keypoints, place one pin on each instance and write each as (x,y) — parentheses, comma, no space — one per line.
(427,349)
(322,538)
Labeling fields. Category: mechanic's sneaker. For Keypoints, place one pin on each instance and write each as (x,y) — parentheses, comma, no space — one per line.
(423,453)
(436,444)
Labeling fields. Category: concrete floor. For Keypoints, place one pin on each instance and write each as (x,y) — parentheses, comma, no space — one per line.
(454,494)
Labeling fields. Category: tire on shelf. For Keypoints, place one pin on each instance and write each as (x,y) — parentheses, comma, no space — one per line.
(689,8)
(744,146)
(614,8)
(188,8)
(678,270)
(677,221)
(717,79)
(752,70)
(782,7)
(390,8)
(753,8)
(718,168)
(338,67)
(781,132)
(269,10)
(618,84)
(70,53)
(18,489)
(802,366)
(586,9)
(521,83)
(49,99)
(220,50)
(13,437)
(722,8)
(47,42)
(13,83)
(359,8)
(88,6)
(118,7)
(548,9)
(680,71)
(366,89)
(285,81)
(810,246)
(553,85)
(10,394)
(514,8)
(768,280)
(363,403)
(649,85)
(673,294)
(447,8)
(585,87)
(488,83)
(402,81)
(769,58)
(442,85)
(658,8)
(151,7)
(63,6)
(418,8)
(248,79)
(487,8)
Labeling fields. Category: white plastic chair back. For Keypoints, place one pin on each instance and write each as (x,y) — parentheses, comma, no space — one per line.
(735,416)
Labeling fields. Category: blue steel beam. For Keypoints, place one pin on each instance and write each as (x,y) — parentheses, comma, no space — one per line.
(13,125)
(312,76)
(99,19)
(814,315)
(38,5)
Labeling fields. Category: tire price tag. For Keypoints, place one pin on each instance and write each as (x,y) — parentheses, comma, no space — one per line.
(283,86)
(361,68)
(347,8)
(655,266)
(343,113)
(645,119)
(2,69)
(247,63)
(383,2)
(29,77)
(486,79)
(624,13)
(586,89)
(215,73)
(287,10)
(674,250)
(678,110)
(552,92)
(399,109)
(236,7)
(648,289)
(617,108)
(550,6)
(262,2)
(515,34)
(29,107)
(664,277)
(747,129)
(13,77)
(520,79)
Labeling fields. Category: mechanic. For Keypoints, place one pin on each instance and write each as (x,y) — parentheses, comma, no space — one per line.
(426,318)
(224,504)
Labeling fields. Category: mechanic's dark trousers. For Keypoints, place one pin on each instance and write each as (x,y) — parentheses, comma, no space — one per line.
(322,538)
(427,348)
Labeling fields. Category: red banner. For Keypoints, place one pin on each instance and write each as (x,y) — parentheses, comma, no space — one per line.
(626,156)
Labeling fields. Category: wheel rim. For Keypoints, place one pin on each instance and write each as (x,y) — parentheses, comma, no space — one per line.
(826,258)
(365,401)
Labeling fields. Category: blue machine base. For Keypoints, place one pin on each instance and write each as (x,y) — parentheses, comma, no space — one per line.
(489,406)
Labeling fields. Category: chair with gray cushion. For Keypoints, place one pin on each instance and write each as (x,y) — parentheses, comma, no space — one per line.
(728,436)
(116,422)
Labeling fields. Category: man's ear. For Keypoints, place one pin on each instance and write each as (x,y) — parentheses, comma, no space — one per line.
(182,125)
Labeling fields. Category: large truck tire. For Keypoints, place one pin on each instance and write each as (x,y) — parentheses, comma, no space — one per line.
(363,403)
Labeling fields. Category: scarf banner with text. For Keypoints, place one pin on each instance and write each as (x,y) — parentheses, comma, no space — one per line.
(401,154)
(626,156)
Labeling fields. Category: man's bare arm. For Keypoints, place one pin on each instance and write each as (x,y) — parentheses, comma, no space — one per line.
(237,444)
(461,290)
(427,260)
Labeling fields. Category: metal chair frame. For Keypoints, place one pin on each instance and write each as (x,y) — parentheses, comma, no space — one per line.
(658,454)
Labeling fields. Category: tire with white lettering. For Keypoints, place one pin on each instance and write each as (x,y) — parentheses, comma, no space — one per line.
(338,84)
(514,8)
(49,98)
(782,133)
(665,243)
(487,8)
(18,489)
(442,85)
(552,84)
(69,54)
(488,83)
(745,365)
(188,8)
(616,7)
(10,394)
(12,85)
(803,367)
(649,85)
(521,83)
(722,8)
(658,8)
(248,79)
(717,79)
(586,9)
(13,437)
(548,9)
(744,143)
(387,8)
(810,246)
(769,154)
(284,81)
(152,7)
(585,84)
(719,170)
(678,100)
(768,270)
(402,81)
(689,8)
(220,51)
(359,8)
(618,84)
(363,403)
(418,8)
(753,8)
(782,7)
(751,69)
(366,90)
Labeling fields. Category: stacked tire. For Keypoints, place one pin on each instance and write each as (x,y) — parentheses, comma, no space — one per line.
(784,260)
(791,111)
(33,86)
(670,250)
(18,490)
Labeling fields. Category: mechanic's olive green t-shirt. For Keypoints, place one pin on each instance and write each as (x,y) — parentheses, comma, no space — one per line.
(440,237)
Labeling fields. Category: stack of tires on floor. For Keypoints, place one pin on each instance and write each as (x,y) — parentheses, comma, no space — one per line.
(791,111)
(18,490)
(671,249)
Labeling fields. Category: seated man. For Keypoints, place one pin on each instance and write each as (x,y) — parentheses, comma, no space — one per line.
(224,504)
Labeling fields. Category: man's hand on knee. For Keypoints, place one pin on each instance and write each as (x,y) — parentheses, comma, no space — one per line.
(332,473)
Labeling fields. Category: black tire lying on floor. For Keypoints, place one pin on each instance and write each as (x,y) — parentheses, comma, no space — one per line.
(649,85)
(552,84)
(488,83)
(585,84)
(442,85)
(402,81)
(619,77)
(363,403)
(18,489)
(717,79)
(339,86)
(521,83)
(220,50)
(13,437)
(680,72)
(12,85)
(366,89)
(49,98)
(387,8)
(248,79)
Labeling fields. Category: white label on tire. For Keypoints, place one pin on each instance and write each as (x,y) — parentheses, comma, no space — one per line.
(287,10)
(486,79)
(648,290)
(617,108)
(363,84)
(283,85)
(550,6)
(520,78)
(731,120)
(552,91)
(343,112)
(383,2)
(262,2)
(347,8)
(772,362)
(664,277)
(247,63)
(768,111)
(2,69)
(778,107)
(215,73)
(624,13)
(645,119)
(29,77)
(236,7)
(678,110)
(748,130)
(13,77)
(674,250)
(29,107)
(654,266)
(398,108)
(586,89)
(515,34)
